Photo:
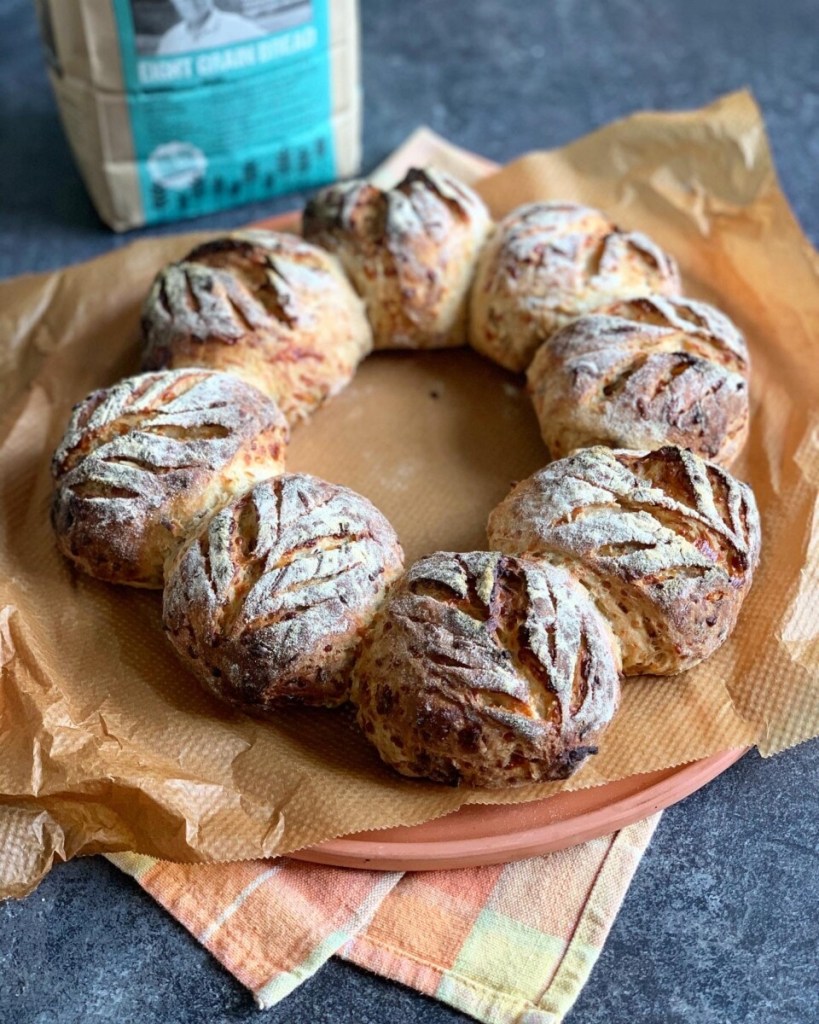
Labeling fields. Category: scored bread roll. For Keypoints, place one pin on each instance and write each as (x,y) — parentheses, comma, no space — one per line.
(409,251)
(266,306)
(486,670)
(665,542)
(549,262)
(267,604)
(641,373)
(142,462)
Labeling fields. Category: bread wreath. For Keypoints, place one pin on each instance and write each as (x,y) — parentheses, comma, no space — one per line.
(487,668)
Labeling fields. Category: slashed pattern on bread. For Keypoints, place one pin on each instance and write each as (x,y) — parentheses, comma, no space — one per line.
(410,252)
(548,263)
(144,461)
(665,542)
(267,306)
(642,373)
(486,670)
(268,603)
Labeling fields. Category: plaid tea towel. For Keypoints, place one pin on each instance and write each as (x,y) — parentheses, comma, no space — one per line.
(511,944)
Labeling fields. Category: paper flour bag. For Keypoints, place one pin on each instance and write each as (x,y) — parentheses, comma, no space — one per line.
(177,108)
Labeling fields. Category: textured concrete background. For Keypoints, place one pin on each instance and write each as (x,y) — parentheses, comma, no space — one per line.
(722,921)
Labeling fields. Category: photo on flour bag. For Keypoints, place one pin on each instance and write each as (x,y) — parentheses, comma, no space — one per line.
(182,26)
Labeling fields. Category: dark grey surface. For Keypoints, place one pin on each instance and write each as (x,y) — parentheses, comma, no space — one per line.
(720,924)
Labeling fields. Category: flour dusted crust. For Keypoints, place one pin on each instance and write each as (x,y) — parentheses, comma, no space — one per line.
(142,462)
(486,670)
(268,603)
(269,307)
(545,265)
(665,542)
(409,251)
(642,373)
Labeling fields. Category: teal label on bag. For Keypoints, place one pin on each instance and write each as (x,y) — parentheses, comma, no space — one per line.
(230,100)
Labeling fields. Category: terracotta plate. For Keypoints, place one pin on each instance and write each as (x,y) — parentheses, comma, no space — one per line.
(477,835)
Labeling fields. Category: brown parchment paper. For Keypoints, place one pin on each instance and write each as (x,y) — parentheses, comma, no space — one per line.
(107,744)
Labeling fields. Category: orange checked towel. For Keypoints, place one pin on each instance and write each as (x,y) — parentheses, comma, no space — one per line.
(511,943)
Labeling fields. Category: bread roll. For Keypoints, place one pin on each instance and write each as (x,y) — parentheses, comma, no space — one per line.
(410,252)
(665,543)
(144,461)
(486,670)
(640,373)
(267,604)
(549,262)
(269,307)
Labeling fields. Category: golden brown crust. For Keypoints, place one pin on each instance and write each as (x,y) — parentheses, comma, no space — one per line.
(486,670)
(266,306)
(642,373)
(410,252)
(267,604)
(665,542)
(142,462)
(548,263)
